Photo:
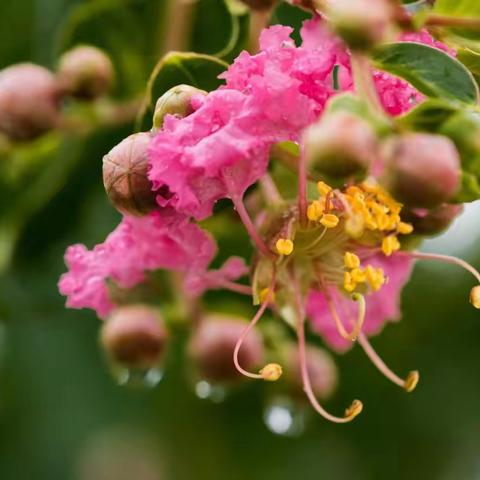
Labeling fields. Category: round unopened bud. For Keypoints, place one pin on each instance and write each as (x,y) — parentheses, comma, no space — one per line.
(432,222)
(321,370)
(85,72)
(475,296)
(271,372)
(125,178)
(339,147)
(361,23)
(134,336)
(29,101)
(212,345)
(422,170)
(176,101)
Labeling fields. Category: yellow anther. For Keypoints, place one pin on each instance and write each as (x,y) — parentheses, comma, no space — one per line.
(264,293)
(370,223)
(315,211)
(404,228)
(377,208)
(284,246)
(358,275)
(375,277)
(355,191)
(323,188)
(351,260)
(390,244)
(382,220)
(271,372)
(475,296)
(370,187)
(348,284)
(411,381)
(329,220)
(355,226)
(354,409)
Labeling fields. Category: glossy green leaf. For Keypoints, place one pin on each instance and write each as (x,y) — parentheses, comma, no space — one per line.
(430,70)
(471,59)
(429,116)
(177,68)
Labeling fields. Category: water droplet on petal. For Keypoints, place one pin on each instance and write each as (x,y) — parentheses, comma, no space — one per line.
(208,391)
(283,417)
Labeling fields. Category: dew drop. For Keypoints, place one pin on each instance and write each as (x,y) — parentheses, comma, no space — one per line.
(283,417)
(142,378)
(208,391)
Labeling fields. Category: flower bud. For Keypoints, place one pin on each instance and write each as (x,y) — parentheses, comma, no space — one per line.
(339,147)
(422,170)
(134,336)
(361,23)
(29,101)
(176,101)
(432,222)
(125,176)
(321,368)
(259,4)
(85,72)
(212,345)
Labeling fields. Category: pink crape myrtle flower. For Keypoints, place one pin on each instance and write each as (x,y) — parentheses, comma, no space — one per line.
(138,245)
(383,306)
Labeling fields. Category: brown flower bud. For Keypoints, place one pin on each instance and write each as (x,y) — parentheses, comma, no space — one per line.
(85,72)
(29,101)
(125,176)
(321,368)
(134,336)
(432,222)
(422,170)
(212,346)
(176,101)
(339,147)
(361,23)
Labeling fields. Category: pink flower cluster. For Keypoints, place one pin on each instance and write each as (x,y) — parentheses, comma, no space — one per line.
(158,241)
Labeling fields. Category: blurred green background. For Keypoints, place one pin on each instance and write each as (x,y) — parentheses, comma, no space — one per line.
(62,416)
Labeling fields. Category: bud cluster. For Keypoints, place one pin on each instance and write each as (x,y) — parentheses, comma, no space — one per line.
(31,96)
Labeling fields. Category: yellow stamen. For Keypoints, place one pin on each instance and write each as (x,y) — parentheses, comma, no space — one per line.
(315,211)
(411,381)
(390,244)
(354,409)
(323,188)
(329,220)
(264,293)
(358,275)
(475,296)
(348,284)
(284,246)
(375,277)
(271,372)
(351,260)
(404,228)
(355,226)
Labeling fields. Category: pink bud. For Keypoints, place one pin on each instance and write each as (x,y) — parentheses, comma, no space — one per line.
(361,23)
(213,343)
(321,368)
(134,336)
(339,147)
(29,101)
(431,222)
(125,176)
(85,72)
(422,170)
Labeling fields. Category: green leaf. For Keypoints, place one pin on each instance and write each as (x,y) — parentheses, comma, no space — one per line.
(429,116)
(430,70)
(471,59)
(177,68)
(469,190)
(458,8)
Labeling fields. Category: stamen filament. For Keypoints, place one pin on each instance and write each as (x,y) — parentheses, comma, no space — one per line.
(250,326)
(236,287)
(355,408)
(447,259)
(302,187)
(408,384)
(250,227)
(357,325)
